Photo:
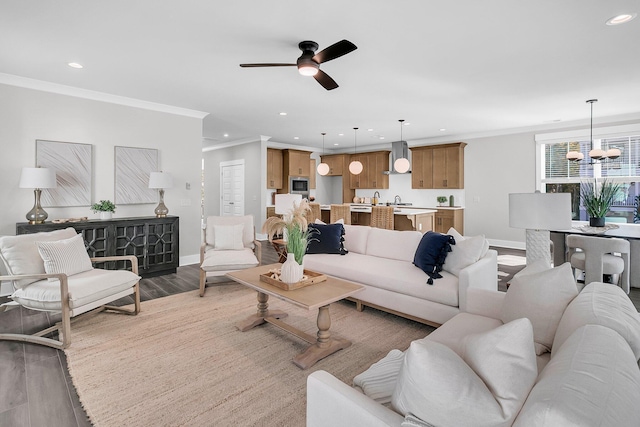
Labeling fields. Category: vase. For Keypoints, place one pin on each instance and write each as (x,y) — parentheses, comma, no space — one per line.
(106,215)
(291,271)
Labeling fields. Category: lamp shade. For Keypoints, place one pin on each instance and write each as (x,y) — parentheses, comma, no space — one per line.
(38,178)
(160,180)
(401,165)
(323,169)
(286,203)
(540,211)
(355,167)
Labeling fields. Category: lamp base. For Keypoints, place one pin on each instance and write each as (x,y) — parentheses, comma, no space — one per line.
(161,210)
(37,215)
(538,246)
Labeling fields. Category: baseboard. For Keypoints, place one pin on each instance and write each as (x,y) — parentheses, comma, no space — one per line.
(510,244)
(190,259)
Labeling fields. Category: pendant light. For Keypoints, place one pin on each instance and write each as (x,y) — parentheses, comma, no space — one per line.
(323,168)
(596,154)
(355,167)
(401,165)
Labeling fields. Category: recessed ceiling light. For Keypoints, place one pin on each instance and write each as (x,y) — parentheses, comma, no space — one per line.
(369,130)
(296,137)
(442,129)
(621,19)
(381,137)
(335,143)
(341,134)
(226,135)
(75,65)
(406,123)
(283,113)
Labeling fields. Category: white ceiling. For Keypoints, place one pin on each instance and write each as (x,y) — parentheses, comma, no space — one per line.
(468,66)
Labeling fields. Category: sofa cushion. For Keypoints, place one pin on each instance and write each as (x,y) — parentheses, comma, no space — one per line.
(326,239)
(592,380)
(465,251)
(601,304)
(229,260)
(228,237)
(379,381)
(397,276)
(440,388)
(453,332)
(68,256)
(20,253)
(392,244)
(431,254)
(355,238)
(542,298)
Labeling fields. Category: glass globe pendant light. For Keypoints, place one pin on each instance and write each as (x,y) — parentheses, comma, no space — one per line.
(323,168)
(355,167)
(401,165)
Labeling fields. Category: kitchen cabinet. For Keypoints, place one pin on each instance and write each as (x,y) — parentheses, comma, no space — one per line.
(296,162)
(154,241)
(447,218)
(438,166)
(313,172)
(335,163)
(274,168)
(374,164)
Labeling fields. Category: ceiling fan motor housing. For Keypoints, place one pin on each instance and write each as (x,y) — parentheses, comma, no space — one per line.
(305,60)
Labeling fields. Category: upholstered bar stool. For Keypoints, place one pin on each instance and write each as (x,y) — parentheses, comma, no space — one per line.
(597,259)
(341,212)
(382,217)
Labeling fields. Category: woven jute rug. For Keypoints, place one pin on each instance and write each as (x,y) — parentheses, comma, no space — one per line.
(182,362)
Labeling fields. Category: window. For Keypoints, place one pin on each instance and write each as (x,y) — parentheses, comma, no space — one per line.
(556,174)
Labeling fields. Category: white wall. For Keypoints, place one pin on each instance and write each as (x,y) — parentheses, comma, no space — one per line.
(27,115)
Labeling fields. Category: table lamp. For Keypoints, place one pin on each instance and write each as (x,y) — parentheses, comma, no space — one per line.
(538,213)
(161,180)
(37,178)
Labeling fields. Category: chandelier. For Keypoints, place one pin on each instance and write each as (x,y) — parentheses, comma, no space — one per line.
(596,154)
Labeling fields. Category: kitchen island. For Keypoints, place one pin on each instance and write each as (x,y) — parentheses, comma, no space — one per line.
(422,220)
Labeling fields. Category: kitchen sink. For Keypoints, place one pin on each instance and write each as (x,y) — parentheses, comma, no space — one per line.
(399,204)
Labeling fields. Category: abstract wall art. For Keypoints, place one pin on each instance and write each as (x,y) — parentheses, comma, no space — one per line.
(72,163)
(132,169)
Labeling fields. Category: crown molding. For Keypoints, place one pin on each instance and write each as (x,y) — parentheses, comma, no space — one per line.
(12,80)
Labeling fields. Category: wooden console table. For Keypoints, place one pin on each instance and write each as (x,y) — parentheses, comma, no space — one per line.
(154,241)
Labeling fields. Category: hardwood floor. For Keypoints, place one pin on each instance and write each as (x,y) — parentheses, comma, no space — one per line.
(35,387)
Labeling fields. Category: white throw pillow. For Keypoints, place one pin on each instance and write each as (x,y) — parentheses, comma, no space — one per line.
(440,388)
(228,237)
(68,256)
(465,252)
(542,298)
(379,381)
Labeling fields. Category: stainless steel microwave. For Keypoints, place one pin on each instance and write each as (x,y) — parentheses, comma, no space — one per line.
(299,185)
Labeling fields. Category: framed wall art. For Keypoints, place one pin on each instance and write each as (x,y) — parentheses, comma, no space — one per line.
(73,165)
(132,169)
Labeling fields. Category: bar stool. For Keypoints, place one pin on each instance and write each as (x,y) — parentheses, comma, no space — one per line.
(382,217)
(341,212)
(597,259)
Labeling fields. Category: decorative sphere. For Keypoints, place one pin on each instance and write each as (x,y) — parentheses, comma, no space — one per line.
(323,169)
(401,165)
(355,167)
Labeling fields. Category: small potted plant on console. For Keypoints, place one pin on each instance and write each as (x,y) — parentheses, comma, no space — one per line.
(105,207)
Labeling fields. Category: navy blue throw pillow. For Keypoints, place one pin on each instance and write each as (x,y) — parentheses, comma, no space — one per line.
(432,252)
(326,239)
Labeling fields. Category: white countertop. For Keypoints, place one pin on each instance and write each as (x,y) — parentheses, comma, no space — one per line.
(396,211)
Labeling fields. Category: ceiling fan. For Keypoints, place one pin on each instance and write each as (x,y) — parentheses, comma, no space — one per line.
(309,62)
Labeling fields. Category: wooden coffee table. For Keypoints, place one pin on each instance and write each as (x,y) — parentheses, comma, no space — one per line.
(319,295)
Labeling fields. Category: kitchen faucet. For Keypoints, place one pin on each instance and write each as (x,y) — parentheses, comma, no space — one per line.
(397,200)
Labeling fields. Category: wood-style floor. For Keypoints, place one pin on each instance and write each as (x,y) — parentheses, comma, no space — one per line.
(35,387)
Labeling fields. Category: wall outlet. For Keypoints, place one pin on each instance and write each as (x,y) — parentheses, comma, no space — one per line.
(188,186)
(185,202)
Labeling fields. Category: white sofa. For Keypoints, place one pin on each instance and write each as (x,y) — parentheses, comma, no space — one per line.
(382,261)
(591,376)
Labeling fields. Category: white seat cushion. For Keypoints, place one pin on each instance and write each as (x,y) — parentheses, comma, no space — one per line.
(611,264)
(84,288)
(229,260)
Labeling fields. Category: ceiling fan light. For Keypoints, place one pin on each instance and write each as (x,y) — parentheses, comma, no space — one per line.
(323,169)
(613,153)
(401,165)
(355,167)
(574,156)
(308,70)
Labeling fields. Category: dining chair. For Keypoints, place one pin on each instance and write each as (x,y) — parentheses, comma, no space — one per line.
(596,258)
(313,213)
(341,212)
(382,217)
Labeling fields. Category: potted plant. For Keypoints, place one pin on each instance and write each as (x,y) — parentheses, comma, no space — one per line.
(294,227)
(105,207)
(597,200)
(442,200)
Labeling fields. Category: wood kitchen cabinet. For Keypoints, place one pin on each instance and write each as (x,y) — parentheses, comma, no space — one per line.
(362,179)
(312,174)
(374,164)
(438,166)
(296,162)
(335,163)
(274,168)
(447,218)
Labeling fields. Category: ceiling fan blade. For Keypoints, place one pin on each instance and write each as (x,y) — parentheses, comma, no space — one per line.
(268,64)
(334,51)
(327,82)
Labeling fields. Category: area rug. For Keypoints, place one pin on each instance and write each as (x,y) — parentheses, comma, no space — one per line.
(182,362)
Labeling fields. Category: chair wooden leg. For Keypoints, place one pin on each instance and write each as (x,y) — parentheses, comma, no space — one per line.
(203,281)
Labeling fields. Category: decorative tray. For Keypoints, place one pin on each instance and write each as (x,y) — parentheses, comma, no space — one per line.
(309,278)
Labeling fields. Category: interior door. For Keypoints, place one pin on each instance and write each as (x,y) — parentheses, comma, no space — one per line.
(232,191)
